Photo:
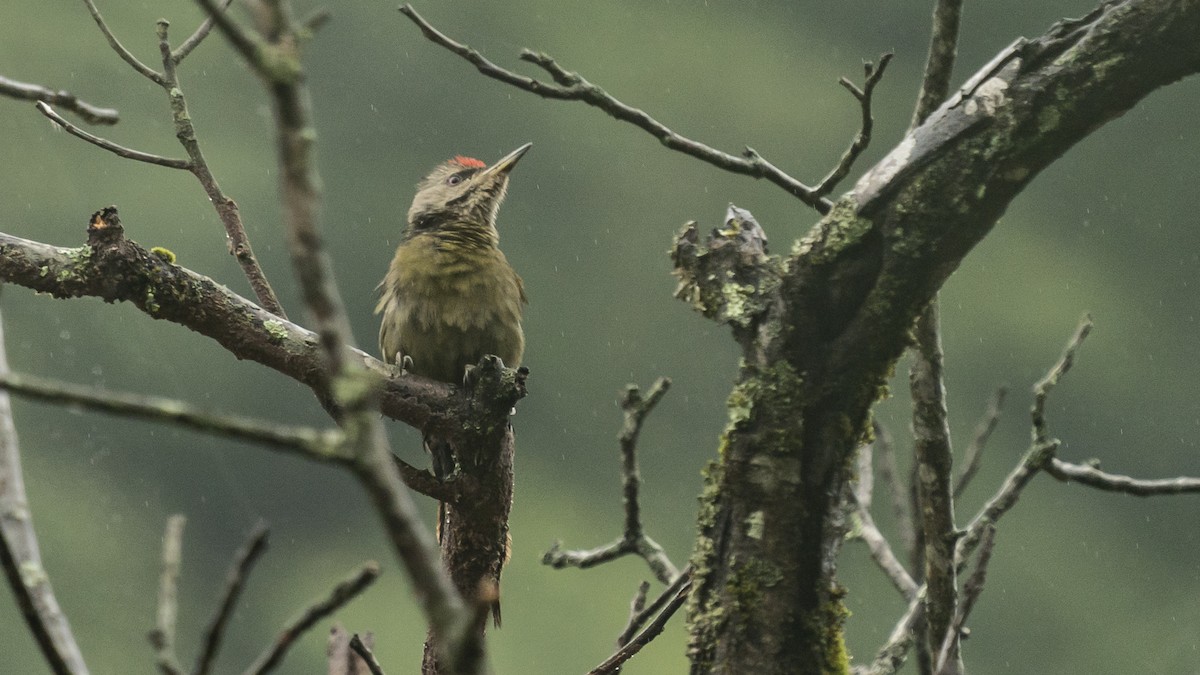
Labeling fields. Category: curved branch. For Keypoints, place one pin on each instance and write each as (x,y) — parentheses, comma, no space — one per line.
(20,556)
(572,86)
(235,581)
(118,150)
(64,99)
(197,37)
(125,272)
(311,443)
(126,55)
(634,540)
(341,594)
(873,73)
(1092,476)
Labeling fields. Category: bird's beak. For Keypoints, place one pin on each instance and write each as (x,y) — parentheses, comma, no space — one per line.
(506,164)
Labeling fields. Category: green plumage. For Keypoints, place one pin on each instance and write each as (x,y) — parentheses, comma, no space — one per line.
(450,297)
(446,305)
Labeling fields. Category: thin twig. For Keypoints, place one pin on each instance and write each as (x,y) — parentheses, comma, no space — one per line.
(1111,482)
(897,492)
(246,43)
(312,443)
(894,651)
(640,616)
(364,652)
(983,431)
(445,611)
(194,40)
(873,74)
(125,54)
(119,150)
(227,209)
(636,606)
(634,540)
(20,557)
(572,86)
(1043,387)
(341,594)
(613,663)
(162,637)
(64,99)
(882,554)
(971,592)
(235,581)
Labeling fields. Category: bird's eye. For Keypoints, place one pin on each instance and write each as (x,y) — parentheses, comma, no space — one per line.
(454,179)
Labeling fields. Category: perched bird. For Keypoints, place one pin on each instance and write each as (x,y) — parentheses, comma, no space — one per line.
(450,297)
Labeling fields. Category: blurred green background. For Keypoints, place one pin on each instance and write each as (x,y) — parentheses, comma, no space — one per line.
(1080,582)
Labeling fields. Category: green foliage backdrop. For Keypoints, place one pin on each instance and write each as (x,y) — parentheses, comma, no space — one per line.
(1081,582)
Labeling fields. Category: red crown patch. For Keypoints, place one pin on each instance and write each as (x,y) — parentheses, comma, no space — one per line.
(469,162)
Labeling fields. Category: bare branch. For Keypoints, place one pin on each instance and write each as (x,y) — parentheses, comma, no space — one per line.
(1004,499)
(64,99)
(983,431)
(20,557)
(881,552)
(873,73)
(971,591)
(366,655)
(636,607)
(897,491)
(227,209)
(1042,389)
(931,431)
(933,456)
(640,615)
(311,443)
(939,64)
(235,581)
(146,71)
(124,271)
(163,634)
(572,86)
(245,42)
(119,150)
(675,596)
(198,36)
(634,540)
(891,656)
(278,64)
(342,594)
(1092,476)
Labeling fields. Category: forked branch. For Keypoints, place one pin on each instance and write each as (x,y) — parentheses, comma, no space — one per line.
(571,86)
(634,540)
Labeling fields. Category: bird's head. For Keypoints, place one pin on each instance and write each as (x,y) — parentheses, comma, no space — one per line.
(461,195)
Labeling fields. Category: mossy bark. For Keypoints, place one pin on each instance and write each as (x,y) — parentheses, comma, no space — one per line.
(821,329)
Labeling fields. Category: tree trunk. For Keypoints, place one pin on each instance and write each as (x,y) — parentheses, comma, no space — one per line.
(822,329)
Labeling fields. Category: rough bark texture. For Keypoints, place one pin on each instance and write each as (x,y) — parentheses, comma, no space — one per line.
(822,329)
(115,268)
(123,271)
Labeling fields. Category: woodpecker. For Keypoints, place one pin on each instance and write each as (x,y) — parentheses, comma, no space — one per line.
(450,296)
